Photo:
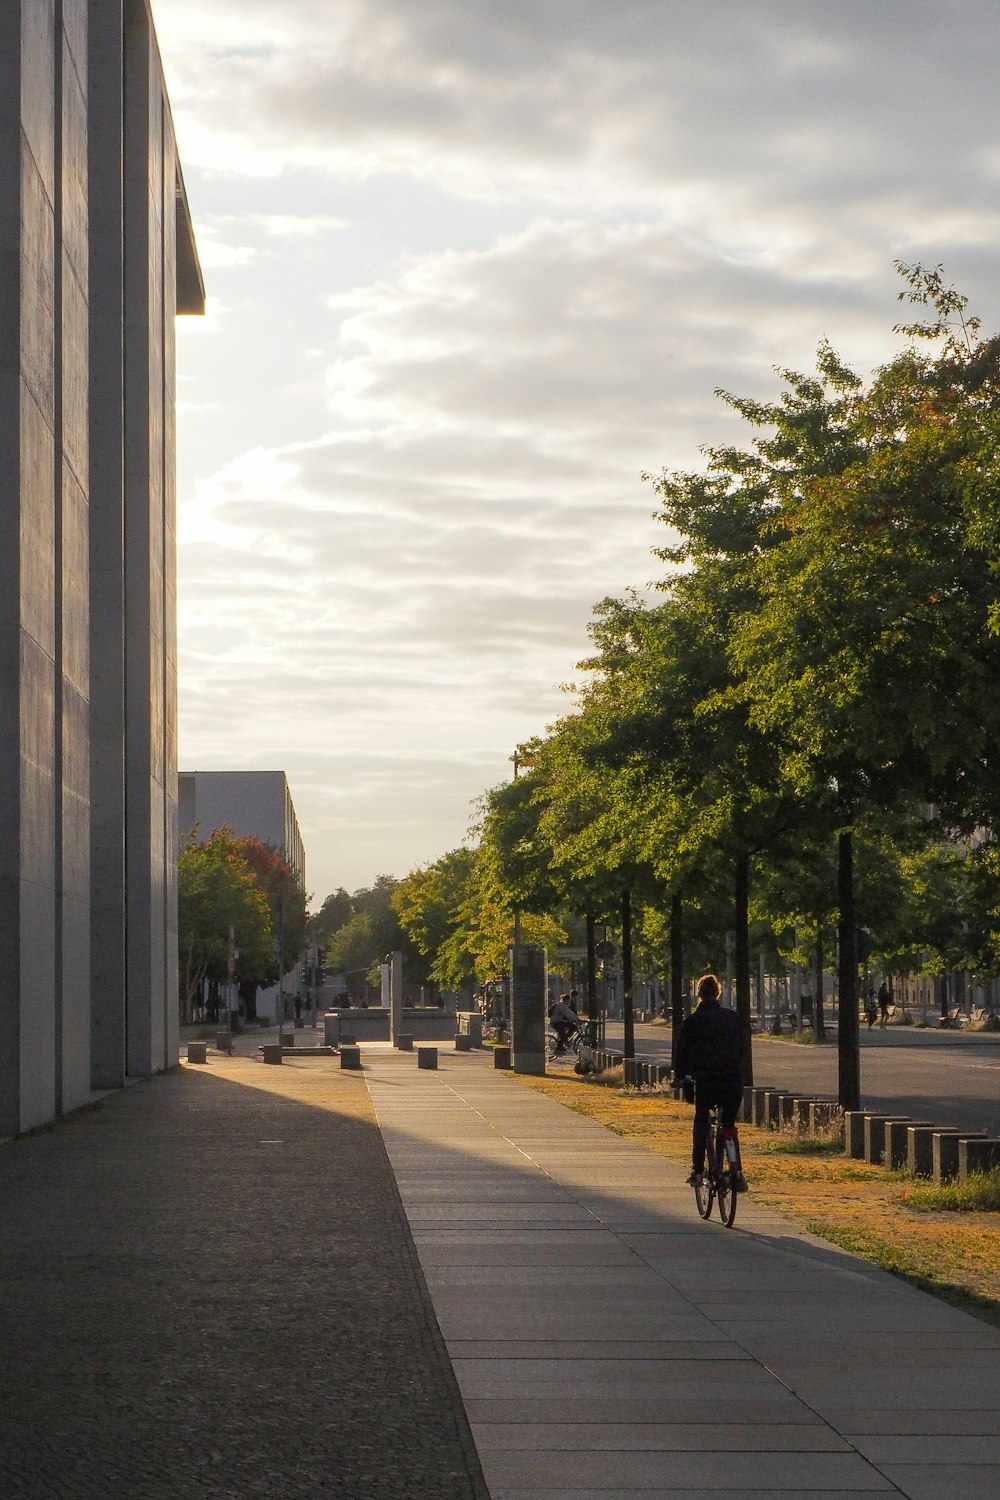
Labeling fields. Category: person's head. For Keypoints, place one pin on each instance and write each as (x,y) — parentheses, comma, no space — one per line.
(708,988)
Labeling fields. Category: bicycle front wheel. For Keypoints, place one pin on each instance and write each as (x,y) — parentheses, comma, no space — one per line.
(704,1195)
(727,1196)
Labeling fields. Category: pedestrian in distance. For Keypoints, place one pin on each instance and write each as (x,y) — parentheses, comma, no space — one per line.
(884,1002)
(871,1009)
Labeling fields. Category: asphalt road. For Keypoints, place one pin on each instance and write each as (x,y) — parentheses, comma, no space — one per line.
(949,1078)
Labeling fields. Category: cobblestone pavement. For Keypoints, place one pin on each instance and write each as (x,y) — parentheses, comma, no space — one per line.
(208,1289)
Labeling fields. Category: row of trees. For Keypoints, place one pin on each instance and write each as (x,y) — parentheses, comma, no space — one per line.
(800,737)
(241,909)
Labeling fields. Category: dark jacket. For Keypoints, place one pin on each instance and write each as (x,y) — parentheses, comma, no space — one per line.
(711,1042)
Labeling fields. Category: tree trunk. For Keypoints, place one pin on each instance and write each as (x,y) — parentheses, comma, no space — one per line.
(819,1021)
(848,1058)
(743,962)
(248,994)
(591,966)
(676,972)
(628,1018)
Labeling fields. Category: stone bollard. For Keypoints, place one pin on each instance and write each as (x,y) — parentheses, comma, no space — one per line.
(331,1029)
(919,1150)
(896,1150)
(271,1052)
(350,1056)
(197,1052)
(223,1041)
(427,1057)
(874,1128)
(854,1133)
(501,1057)
(772,1109)
(404,1041)
(746,1114)
(787,1111)
(976,1154)
(759,1117)
(801,1105)
(822,1113)
(944,1152)
(348,1039)
(632,1066)
(463,1042)
(288,1039)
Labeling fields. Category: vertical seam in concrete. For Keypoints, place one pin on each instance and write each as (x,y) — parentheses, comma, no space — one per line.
(57,560)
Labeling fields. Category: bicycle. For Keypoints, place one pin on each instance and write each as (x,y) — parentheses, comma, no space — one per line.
(558,1048)
(717,1182)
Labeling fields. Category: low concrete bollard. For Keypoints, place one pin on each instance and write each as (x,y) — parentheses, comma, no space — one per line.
(854,1133)
(350,1056)
(919,1150)
(271,1052)
(501,1057)
(288,1039)
(821,1115)
(787,1110)
(772,1108)
(896,1147)
(463,1042)
(631,1066)
(404,1041)
(977,1154)
(348,1039)
(874,1127)
(944,1152)
(197,1052)
(801,1105)
(427,1057)
(746,1113)
(331,1028)
(223,1041)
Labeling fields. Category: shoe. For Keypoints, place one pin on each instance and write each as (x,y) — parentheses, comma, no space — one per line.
(739,1182)
(693,1179)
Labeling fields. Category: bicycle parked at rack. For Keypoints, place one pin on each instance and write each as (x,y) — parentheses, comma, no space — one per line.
(718,1181)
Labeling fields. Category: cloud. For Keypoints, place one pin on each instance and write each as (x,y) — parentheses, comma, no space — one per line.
(473,268)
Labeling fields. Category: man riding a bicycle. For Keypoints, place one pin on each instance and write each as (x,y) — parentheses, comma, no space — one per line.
(564,1022)
(710,1051)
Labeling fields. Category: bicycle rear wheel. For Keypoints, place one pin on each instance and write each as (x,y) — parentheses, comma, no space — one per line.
(727,1194)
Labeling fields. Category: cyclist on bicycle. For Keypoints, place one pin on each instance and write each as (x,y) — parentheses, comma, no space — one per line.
(564,1022)
(710,1051)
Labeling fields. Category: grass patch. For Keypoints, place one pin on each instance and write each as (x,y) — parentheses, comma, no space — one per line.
(979,1193)
(789,1143)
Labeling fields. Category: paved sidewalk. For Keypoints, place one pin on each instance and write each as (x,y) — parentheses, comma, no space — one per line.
(608,1343)
(208,1289)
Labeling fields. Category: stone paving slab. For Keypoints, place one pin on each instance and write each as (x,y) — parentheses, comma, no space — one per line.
(683,1357)
(208,1291)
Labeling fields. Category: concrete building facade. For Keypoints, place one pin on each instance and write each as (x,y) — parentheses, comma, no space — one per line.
(98,257)
(254,803)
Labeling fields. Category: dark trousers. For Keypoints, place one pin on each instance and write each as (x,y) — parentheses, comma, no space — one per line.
(725,1090)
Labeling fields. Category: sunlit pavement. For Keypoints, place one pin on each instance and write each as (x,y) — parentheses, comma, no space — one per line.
(607,1342)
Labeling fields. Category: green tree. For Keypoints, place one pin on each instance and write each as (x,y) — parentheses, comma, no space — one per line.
(220,904)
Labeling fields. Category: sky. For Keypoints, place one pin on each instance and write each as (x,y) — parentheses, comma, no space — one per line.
(474,267)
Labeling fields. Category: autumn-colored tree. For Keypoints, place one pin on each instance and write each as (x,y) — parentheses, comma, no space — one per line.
(220,904)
